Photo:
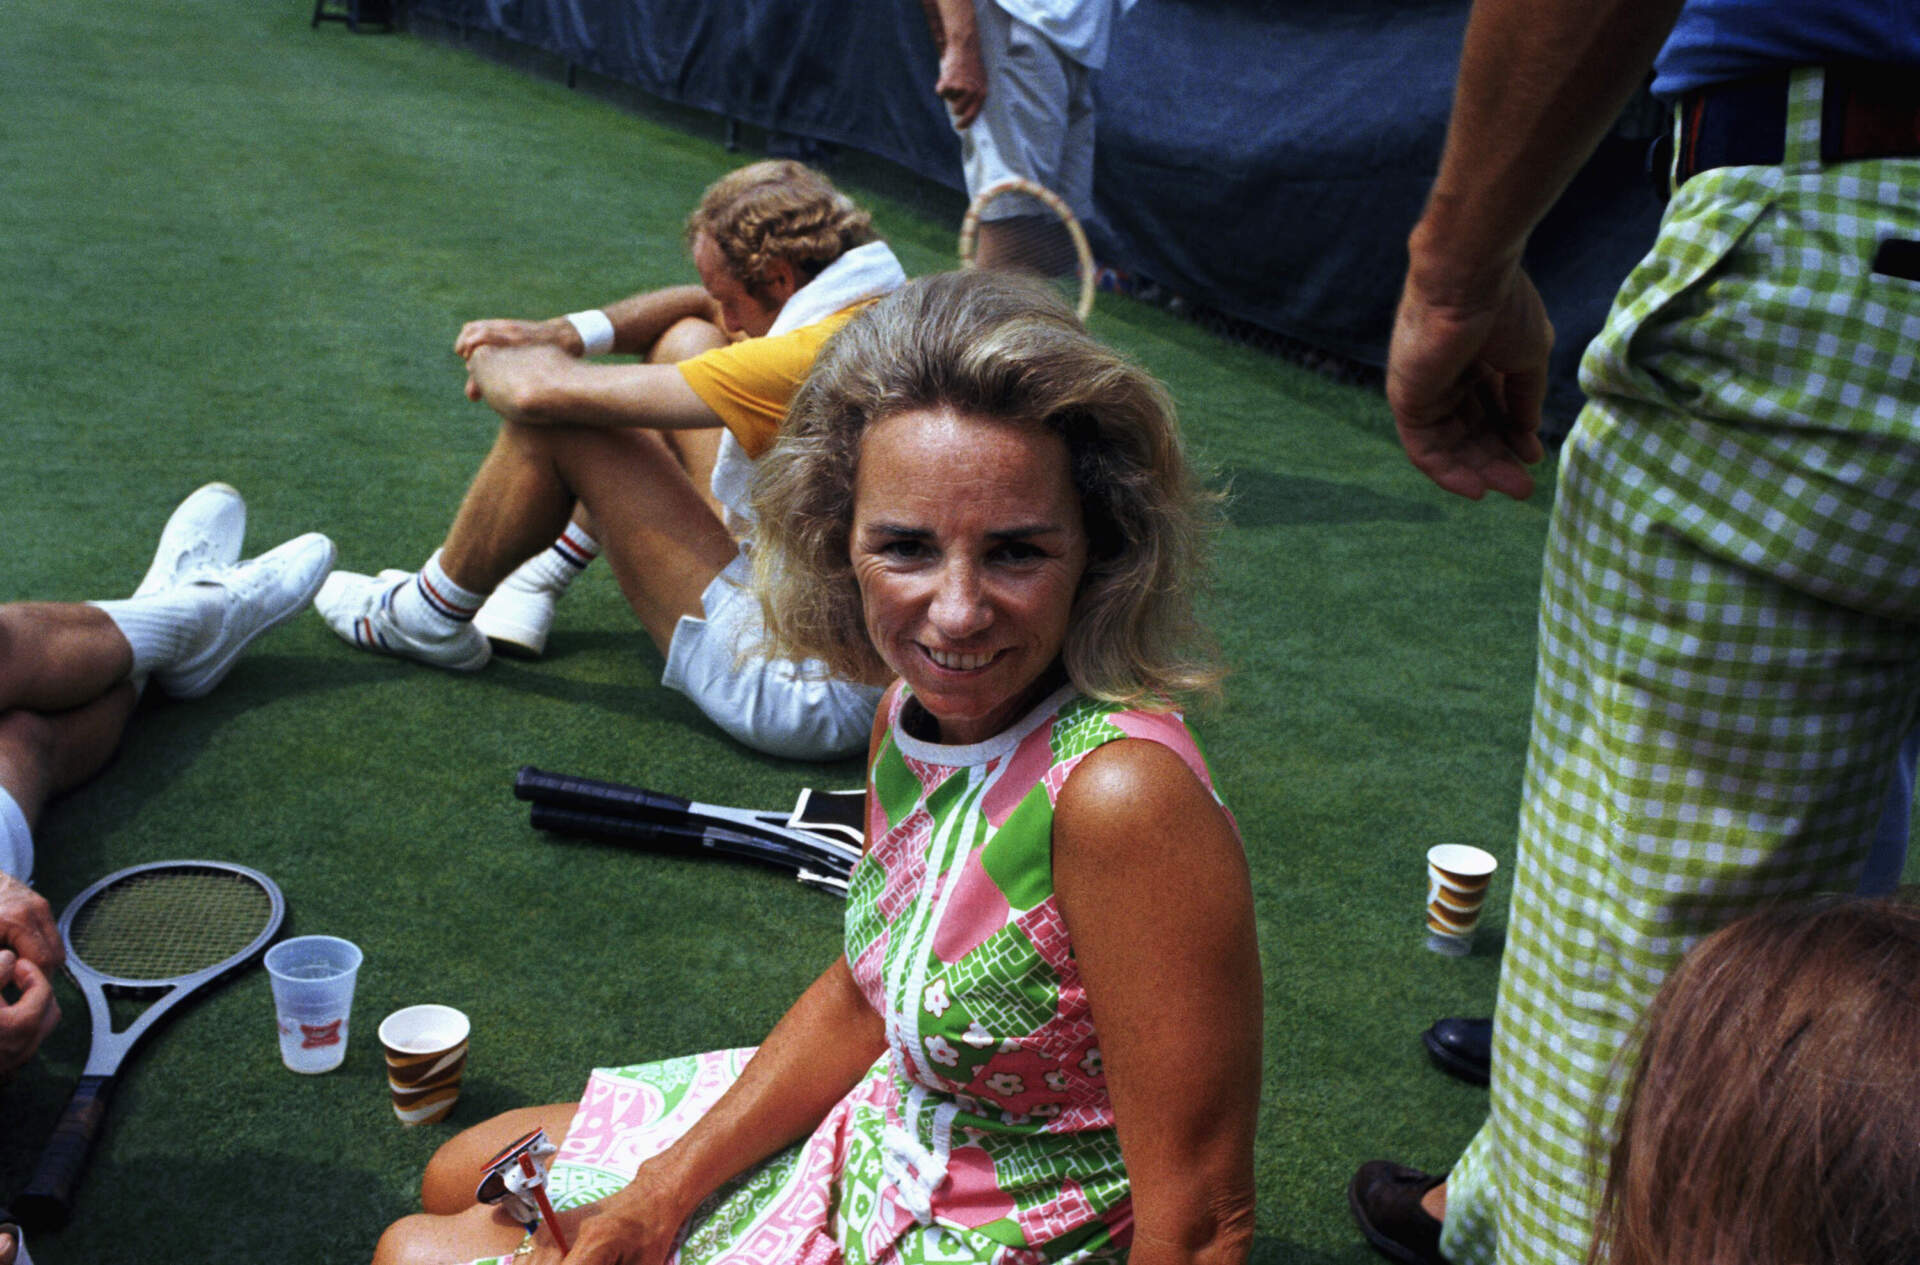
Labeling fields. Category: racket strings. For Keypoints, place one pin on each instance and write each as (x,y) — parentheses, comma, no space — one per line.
(162,924)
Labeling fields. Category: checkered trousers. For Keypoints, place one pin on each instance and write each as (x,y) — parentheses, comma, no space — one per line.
(1729,643)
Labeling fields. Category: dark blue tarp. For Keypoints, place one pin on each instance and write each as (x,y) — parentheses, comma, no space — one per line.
(1262,159)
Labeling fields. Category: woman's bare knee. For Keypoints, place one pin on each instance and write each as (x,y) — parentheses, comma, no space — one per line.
(425,1239)
(454,1171)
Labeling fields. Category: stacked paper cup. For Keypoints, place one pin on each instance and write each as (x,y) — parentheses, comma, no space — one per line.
(426,1049)
(1457,879)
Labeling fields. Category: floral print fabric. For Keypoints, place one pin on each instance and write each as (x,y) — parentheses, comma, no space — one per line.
(985,1133)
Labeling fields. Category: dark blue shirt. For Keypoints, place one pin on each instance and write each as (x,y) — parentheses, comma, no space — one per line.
(1720,40)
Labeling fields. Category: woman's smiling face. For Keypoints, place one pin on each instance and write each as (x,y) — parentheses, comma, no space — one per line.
(968,547)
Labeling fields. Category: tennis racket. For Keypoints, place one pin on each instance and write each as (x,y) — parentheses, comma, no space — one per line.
(819,840)
(1021,226)
(169,927)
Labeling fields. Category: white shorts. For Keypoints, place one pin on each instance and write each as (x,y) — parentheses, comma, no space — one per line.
(16,841)
(778,706)
(1037,122)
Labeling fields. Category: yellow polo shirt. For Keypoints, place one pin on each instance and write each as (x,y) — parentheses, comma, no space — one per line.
(750,383)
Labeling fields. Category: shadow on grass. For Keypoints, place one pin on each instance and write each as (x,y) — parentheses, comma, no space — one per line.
(246,1205)
(1260,498)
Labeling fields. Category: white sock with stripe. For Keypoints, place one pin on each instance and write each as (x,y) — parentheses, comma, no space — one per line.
(555,568)
(433,604)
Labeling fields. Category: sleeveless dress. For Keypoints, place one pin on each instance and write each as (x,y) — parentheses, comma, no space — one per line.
(985,1133)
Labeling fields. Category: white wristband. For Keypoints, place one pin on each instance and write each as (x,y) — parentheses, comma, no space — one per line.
(595,330)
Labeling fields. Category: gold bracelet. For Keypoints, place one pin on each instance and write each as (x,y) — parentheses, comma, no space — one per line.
(524,1250)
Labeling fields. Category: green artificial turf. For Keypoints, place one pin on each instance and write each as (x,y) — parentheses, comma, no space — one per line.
(238,248)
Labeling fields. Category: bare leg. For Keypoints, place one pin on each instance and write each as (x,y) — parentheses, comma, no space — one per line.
(424,1239)
(58,655)
(519,501)
(454,1227)
(42,755)
(662,540)
(515,507)
(1037,244)
(696,449)
(453,1172)
(64,698)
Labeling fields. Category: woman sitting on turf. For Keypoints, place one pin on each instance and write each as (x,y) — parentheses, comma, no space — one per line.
(1774,1116)
(1043,1040)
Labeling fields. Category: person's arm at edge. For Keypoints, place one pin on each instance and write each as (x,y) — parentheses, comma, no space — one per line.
(638,321)
(1153,886)
(543,386)
(963,75)
(1539,86)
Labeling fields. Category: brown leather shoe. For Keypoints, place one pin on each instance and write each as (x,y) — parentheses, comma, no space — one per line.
(1385,1200)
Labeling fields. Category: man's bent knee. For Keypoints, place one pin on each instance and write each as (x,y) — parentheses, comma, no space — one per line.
(686,338)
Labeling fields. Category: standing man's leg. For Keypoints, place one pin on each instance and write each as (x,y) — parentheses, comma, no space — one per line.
(1727,663)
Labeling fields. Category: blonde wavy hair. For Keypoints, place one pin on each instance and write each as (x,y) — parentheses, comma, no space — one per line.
(778,209)
(991,345)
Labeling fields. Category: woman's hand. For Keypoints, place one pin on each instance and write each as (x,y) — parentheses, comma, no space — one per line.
(633,1227)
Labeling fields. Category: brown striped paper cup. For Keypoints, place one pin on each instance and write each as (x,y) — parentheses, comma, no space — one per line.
(426,1055)
(1457,879)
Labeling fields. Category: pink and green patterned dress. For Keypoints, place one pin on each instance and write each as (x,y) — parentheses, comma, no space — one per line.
(985,1132)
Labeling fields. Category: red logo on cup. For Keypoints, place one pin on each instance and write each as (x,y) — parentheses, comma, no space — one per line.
(313,1036)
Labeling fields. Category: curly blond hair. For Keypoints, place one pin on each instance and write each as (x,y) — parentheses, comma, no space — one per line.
(778,209)
(994,345)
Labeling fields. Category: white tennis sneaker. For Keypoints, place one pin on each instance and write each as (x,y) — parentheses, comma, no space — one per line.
(202,536)
(517,616)
(258,595)
(360,609)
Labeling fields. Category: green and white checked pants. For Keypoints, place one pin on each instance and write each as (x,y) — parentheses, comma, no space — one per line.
(1729,643)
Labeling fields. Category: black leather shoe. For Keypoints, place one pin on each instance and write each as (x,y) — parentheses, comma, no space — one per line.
(1385,1201)
(1461,1047)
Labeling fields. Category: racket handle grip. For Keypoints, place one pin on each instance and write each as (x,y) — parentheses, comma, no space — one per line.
(581,824)
(47,1201)
(585,793)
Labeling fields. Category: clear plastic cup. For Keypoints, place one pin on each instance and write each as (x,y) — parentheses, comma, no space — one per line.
(313,979)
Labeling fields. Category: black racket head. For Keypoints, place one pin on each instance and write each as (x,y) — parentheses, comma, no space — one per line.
(168,921)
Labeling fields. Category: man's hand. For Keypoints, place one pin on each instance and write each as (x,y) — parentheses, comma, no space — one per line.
(25,1022)
(963,81)
(1466,376)
(503,376)
(27,926)
(963,76)
(558,332)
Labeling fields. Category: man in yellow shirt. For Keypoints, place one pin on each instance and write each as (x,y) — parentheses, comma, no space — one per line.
(648,462)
